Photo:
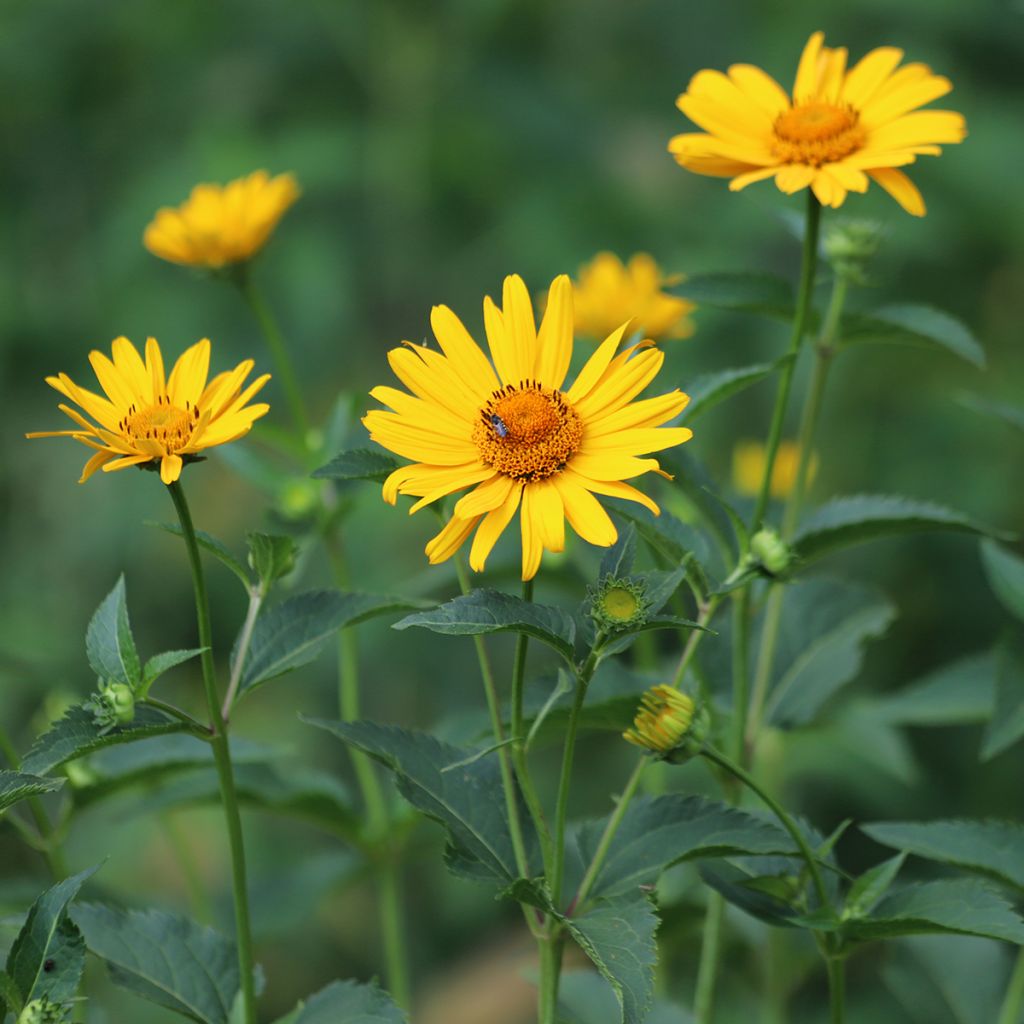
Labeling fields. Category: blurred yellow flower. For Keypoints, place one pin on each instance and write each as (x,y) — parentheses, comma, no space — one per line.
(663,720)
(748,468)
(505,427)
(147,418)
(221,224)
(840,128)
(609,293)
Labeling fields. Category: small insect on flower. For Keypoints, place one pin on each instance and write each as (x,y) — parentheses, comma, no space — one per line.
(499,425)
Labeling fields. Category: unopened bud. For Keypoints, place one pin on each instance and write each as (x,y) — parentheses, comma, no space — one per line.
(663,720)
(42,1011)
(619,604)
(850,245)
(112,705)
(769,552)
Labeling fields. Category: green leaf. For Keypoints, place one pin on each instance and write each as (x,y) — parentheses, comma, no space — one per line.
(711,388)
(993,848)
(467,801)
(743,292)
(10,997)
(271,556)
(961,906)
(657,832)
(357,464)
(1004,412)
(618,559)
(619,937)
(584,997)
(919,326)
(959,693)
(871,886)
(843,522)
(219,551)
(46,936)
(490,611)
(290,634)
(165,959)
(15,786)
(832,655)
(109,644)
(766,897)
(161,663)
(1005,572)
(77,733)
(348,1002)
(1006,726)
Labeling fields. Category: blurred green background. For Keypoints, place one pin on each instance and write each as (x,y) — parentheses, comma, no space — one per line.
(440,146)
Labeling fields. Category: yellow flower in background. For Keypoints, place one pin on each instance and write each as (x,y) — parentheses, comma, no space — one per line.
(221,224)
(840,128)
(505,427)
(663,720)
(748,459)
(609,293)
(146,417)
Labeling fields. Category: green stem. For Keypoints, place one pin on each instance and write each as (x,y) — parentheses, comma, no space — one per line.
(740,671)
(278,351)
(1013,1001)
(780,812)
(837,988)
(195,727)
(550,972)
(710,950)
(256,597)
(387,871)
(222,759)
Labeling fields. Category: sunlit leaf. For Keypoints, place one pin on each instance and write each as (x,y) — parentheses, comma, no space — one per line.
(109,643)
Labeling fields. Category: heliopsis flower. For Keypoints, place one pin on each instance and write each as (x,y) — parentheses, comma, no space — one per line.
(609,293)
(840,128)
(662,721)
(748,468)
(505,427)
(221,224)
(146,417)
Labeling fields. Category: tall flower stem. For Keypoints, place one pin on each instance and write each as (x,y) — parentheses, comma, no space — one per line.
(1013,1001)
(278,350)
(837,989)
(710,951)
(222,759)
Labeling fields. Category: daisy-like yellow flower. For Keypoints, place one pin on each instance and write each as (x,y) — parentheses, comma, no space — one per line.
(221,224)
(748,459)
(146,417)
(505,427)
(609,293)
(839,128)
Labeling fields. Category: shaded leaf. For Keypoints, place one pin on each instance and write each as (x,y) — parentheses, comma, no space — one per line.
(348,1002)
(219,551)
(109,644)
(1005,572)
(743,889)
(743,292)
(161,663)
(955,694)
(1006,726)
(15,786)
(490,611)
(711,388)
(77,733)
(871,886)
(618,559)
(843,522)
(1004,412)
(164,958)
(271,556)
(916,325)
(357,464)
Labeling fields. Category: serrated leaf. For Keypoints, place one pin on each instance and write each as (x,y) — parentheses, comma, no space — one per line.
(1005,572)
(357,464)
(161,663)
(15,786)
(490,611)
(871,886)
(348,1002)
(657,832)
(916,325)
(960,906)
(219,551)
(164,958)
(993,848)
(748,892)
(955,694)
(618,559)
(290,634)
(49,938)
(711,388)
(673,539)
(271,556)
(1004,412)
(843,522)
(743,292)
(584,997)
(109,643)
(1006,726)
(467,801)
(619,937)
(77,734)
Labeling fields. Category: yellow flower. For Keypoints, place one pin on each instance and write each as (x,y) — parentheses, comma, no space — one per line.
(512,433)
(221,224)
(663,720)
(609,293)
(147,418)
(748,468)
(840,127)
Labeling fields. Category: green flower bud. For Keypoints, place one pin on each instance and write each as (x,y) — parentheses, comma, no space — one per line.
(618,604)
(769,552)
(112,705)
(42,1011)
(850,245)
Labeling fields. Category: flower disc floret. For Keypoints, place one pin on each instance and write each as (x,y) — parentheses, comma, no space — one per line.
(817,133)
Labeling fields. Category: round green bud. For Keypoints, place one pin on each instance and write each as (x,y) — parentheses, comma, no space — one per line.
(770,552)
(121,701)
(849,246)
(618,604)
(42,1011)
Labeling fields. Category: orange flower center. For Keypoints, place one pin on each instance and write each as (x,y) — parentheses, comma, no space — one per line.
(162,422)
(527,431)
(817,133)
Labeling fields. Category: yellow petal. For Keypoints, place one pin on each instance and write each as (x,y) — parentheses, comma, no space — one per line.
(584,512)
(901,188)
(554,340)
(805,86)
(467,360)
(170,468)
(492,527)
(449,540)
